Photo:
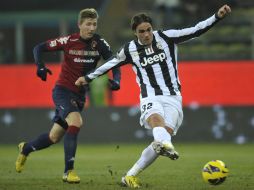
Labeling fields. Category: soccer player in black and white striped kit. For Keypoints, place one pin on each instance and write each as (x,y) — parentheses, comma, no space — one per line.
(153,55)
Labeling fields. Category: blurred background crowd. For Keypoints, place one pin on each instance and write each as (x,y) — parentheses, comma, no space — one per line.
(26,24)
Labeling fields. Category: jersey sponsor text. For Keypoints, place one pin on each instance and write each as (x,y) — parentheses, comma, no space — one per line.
(153,59)
(78,60)
(82,52)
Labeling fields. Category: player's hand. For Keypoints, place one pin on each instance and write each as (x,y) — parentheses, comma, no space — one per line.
(81,81)
(223,11)
(42,72)
(113,84)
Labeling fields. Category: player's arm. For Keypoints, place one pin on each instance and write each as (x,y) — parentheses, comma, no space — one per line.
(42,70)
(50,45)
(178,36)
(114,84)
(115,62)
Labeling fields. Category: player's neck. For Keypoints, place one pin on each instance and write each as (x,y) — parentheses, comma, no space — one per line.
(148,45)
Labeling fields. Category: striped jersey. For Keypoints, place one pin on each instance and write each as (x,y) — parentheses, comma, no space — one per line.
(155,65)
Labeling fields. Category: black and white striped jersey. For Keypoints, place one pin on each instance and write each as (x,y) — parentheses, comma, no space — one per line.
(155,66)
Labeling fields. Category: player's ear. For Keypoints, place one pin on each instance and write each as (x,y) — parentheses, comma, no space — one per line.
(79,25)
(135,33)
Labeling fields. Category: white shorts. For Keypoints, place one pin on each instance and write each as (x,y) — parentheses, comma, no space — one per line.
(169,107)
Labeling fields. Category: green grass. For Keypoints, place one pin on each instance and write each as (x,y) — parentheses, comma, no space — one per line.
(101,167)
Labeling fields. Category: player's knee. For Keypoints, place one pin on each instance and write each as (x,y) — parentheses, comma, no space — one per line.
(79,123)
(55,138)
(169,130)
(76,123)
(155,120)
(74,120)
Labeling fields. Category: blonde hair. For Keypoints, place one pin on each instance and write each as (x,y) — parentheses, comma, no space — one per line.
(87,13)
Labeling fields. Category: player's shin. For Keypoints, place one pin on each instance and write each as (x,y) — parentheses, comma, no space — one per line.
(147,157)
(70,146)
(43,141)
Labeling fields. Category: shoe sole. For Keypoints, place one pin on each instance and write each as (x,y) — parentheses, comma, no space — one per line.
(71,182)
(123,182)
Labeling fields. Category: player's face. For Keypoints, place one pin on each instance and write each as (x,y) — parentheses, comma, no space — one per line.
(88,27)
(144,33)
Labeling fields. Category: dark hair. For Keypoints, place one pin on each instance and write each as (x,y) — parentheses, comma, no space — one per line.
(87,13)
(138,19)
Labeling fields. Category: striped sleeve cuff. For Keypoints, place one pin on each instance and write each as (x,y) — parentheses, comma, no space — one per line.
(88,79)
(217,16)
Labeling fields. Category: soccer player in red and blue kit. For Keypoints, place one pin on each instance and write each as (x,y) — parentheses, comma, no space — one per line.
(82,51)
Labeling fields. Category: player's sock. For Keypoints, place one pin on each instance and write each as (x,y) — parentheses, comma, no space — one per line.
(160,134)
(147,157)
(43,141)
(70,146)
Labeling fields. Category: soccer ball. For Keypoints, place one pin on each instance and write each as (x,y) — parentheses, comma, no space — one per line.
(215,172)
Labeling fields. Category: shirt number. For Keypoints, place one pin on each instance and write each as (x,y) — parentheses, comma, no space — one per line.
(147,106)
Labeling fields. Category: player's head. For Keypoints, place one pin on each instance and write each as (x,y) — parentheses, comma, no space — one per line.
(87,22)
(141,25)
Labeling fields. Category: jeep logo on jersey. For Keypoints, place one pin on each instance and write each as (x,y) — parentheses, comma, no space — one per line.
(153,59)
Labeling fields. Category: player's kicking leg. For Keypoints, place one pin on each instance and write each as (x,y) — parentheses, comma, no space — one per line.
(162,143)
(165,148)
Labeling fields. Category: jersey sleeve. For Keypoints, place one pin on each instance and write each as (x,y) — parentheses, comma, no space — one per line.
(116,61)
(106,52)
(57,44)
(37,52)
(185,34)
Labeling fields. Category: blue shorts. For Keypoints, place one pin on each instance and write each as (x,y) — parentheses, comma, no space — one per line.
(66,102)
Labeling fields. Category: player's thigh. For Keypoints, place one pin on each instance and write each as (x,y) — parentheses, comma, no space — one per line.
(68,106)
(151,110)
(173,114)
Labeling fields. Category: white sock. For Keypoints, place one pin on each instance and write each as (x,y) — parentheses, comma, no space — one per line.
(160,134)
(147,157)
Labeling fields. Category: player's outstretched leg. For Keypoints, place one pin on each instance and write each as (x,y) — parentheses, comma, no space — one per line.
(131,181)
(162,143)
(21,159)
(41,142)
(165,148)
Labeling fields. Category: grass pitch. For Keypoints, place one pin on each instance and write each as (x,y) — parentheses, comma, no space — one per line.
(102,166)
